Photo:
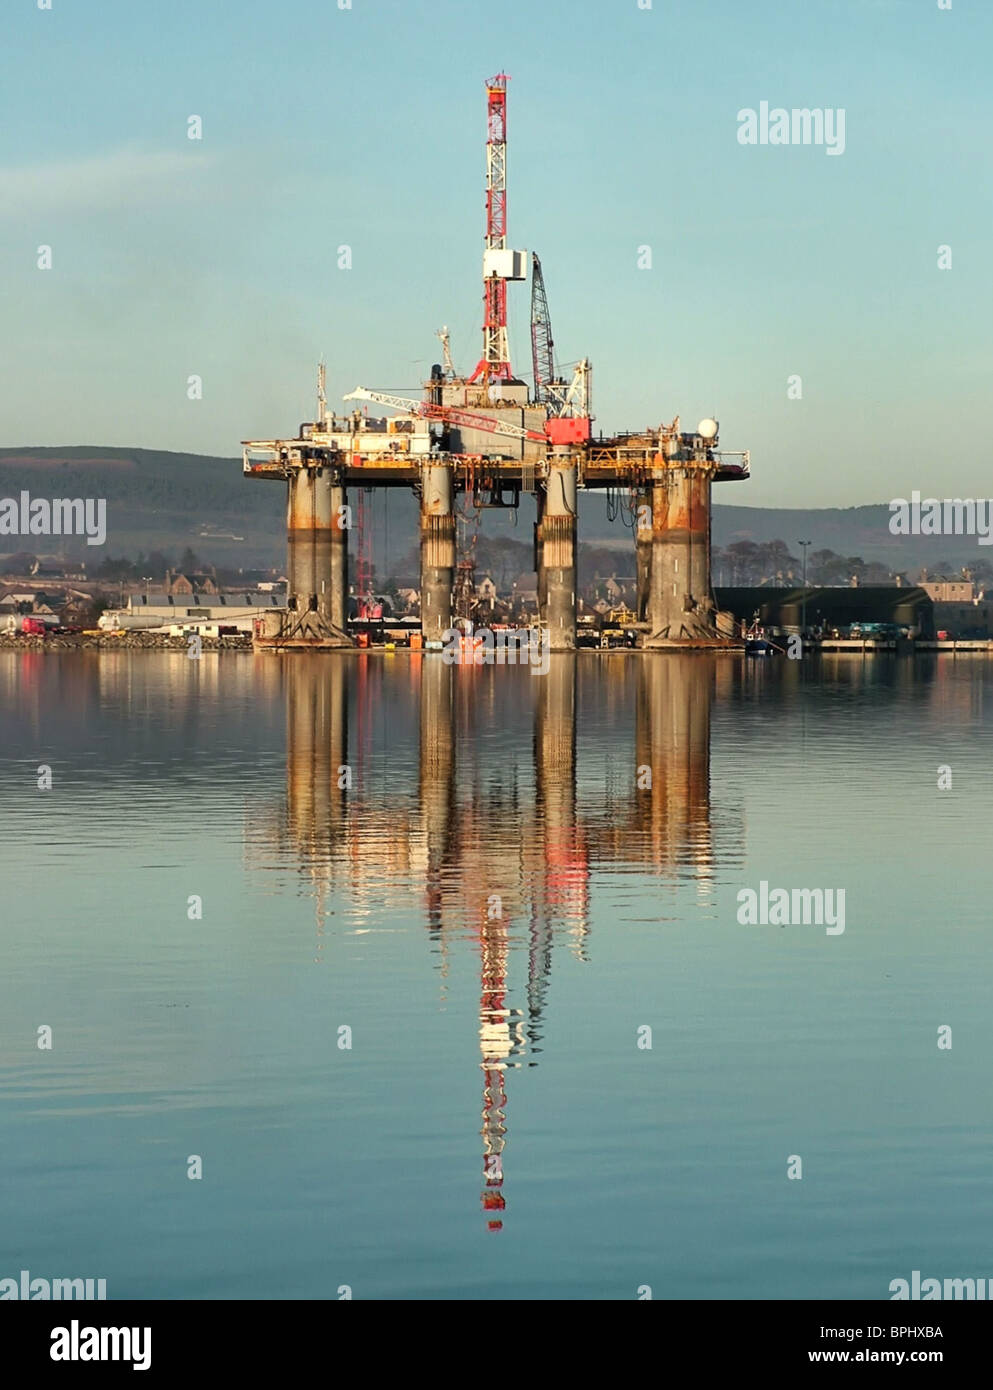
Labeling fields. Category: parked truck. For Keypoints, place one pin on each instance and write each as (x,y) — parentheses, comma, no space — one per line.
(32,624)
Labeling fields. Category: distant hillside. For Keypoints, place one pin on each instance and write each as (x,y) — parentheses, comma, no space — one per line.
(848,530)
(165,501)
(155,500)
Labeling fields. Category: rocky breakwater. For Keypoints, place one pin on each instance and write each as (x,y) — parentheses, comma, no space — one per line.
(123,641)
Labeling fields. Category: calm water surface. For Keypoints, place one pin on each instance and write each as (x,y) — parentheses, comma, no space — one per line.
(494,908)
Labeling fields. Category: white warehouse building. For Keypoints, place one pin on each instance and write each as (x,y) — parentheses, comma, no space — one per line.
(161,610)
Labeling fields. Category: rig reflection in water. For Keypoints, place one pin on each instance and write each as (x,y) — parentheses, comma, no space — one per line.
(496,814)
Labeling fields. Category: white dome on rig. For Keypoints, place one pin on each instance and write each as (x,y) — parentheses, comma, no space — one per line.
(707,429)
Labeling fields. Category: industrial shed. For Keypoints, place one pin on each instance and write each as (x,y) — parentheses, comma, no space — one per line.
(873,603)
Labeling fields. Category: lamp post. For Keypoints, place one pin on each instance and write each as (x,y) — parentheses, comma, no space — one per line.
(803,612)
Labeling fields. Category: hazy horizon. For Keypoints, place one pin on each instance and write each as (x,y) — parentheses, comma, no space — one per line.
(236,459)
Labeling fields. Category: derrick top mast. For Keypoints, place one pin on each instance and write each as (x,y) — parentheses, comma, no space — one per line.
(496,163)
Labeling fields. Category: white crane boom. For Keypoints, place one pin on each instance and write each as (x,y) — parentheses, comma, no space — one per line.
(447,414)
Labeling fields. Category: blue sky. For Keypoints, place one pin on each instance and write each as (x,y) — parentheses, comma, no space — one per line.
(365,127)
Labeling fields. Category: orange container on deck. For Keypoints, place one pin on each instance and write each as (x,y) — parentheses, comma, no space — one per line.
(416,641)
(362,638)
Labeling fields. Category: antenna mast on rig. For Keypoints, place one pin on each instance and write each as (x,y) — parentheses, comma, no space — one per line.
(446,350)
(322,393)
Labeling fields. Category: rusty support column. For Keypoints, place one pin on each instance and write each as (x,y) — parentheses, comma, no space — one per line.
(316,568)
(557,551)
(437,551)
(680,603)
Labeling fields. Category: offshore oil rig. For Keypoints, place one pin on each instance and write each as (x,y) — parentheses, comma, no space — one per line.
(488,438)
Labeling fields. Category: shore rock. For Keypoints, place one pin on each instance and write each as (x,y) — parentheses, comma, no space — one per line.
(126,641)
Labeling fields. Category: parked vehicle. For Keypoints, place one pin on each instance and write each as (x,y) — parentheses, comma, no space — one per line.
(38,624)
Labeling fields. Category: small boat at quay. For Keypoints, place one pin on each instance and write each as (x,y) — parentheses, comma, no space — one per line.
(758,644)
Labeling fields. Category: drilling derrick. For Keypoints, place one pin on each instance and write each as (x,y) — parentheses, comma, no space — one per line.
(499,264)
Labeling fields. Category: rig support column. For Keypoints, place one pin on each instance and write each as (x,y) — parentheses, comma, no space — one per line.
(437,551)
(316,565)
(323,513)
(643,548)
(300,523)
(541,582)
(557,550)
(335,601)
(680,602)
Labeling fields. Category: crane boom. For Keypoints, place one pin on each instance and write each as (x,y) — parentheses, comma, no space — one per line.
(542,347)
(446,414)
(361,393)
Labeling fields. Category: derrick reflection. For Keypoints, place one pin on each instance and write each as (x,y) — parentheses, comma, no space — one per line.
(465,783)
